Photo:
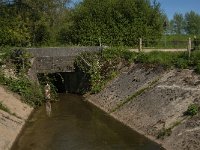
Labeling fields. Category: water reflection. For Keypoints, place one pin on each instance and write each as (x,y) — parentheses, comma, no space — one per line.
(48,108)
(77,125)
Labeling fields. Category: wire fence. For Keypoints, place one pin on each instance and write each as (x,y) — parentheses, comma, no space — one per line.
(168,44)
(165,44)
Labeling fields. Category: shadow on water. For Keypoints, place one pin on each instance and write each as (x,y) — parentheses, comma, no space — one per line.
(77,125)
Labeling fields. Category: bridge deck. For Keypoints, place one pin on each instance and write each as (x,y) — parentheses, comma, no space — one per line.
(51,60)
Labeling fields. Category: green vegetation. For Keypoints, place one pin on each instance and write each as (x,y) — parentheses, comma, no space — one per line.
(17,63)
(192,110)
(115,22)
(4,108)
(51,22)
(31,93)
(185,24)
(164,132)
(99,68)
(102,67)
(32,23)
(167,131)
(170,59)
(27,23)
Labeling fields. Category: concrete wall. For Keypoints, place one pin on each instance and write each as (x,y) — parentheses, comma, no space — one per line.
(152,99)
(51,60)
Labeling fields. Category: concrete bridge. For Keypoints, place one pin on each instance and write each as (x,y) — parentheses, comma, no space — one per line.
(52,60)
(60,63)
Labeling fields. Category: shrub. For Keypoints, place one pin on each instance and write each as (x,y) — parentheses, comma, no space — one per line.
(31,93)
(197,68)
(164,132)
(192,110)
(182,63)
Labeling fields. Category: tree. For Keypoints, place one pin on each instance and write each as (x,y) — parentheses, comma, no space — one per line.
(115,22)
(178,24)
(25,22)
(192,20)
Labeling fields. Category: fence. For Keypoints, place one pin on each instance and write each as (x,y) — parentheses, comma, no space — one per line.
(182,45)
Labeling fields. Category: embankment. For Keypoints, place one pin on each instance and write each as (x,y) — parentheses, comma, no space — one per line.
(152,101)
(12,117)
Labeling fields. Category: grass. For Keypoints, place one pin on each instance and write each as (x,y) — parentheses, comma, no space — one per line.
(109,59)
(4,108)
(167,131)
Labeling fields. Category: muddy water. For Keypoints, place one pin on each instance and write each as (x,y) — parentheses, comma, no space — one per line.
(77,125)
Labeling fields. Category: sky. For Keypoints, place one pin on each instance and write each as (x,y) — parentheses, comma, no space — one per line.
(180,6)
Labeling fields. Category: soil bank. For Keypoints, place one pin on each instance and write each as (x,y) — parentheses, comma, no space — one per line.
(152,99)
(11,121)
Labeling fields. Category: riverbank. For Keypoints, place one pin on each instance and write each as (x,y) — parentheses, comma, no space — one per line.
(13,115)
(152,101)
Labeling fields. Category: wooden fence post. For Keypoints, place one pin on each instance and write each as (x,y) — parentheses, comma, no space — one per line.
(140,44)
(189,47)
(100,42)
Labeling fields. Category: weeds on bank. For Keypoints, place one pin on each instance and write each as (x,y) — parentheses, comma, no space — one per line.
(4,108)
(100,68)
(134,95)
(167,131)
(30,92)
(18,61)
(192,110)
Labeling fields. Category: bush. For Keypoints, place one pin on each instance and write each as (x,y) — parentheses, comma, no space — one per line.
(31,93)
(164,132)
(182,63)
(192,110)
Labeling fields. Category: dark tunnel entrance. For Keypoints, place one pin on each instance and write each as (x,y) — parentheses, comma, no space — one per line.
(66,82)
(55,79)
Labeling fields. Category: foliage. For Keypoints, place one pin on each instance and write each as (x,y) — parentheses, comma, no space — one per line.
(50,79)
(17,57)
(115,22)
(192,20)
(90,65)
(167,131)
(118,52)
(100,68)
(31,93)
(163,58)
(31,23)
(164,132)
(178,24)
(192,110)
(185,24)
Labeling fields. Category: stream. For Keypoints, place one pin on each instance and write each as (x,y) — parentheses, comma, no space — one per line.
(75,124)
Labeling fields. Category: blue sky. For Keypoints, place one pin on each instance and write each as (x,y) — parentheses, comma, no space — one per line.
(180,6)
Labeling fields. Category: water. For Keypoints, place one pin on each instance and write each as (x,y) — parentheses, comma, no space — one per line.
(77,125)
